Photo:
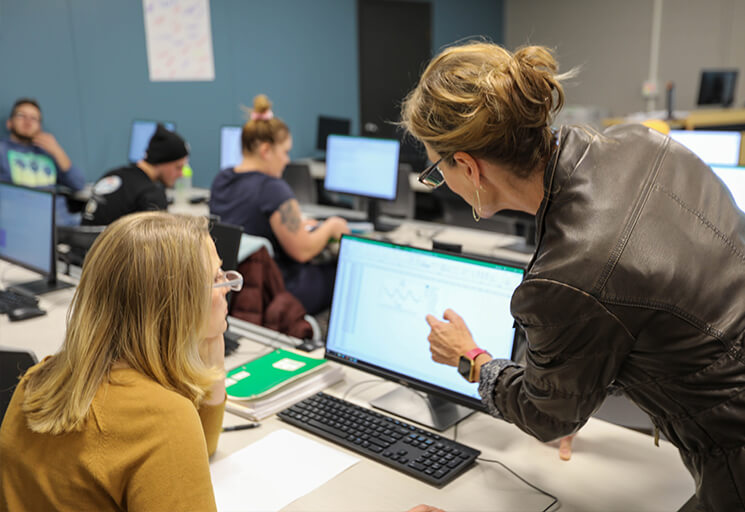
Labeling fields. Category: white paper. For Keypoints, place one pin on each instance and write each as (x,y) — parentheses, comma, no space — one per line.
(179,40)
(275,471)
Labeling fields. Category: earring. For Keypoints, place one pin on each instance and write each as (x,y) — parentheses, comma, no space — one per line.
(477,216)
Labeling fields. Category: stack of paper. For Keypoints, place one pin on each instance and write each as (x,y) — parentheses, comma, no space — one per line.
(255,401)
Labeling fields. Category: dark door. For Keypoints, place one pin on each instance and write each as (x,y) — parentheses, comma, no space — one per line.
(395,45)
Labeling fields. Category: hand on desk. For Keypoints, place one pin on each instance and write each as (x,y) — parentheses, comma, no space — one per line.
(425,508)
(565,447)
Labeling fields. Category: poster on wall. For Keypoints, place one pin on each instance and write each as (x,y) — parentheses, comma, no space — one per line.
(179,40)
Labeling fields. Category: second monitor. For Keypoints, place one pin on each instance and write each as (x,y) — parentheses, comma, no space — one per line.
(363,167)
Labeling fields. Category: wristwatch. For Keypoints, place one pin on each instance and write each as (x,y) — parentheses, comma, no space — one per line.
(466,366)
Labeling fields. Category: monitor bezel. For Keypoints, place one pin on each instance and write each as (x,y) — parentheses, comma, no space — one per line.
(356,194)
(131,133)
(51,274)
(411,382)
(219,142)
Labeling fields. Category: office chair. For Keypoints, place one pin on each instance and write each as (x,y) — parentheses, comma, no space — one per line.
(78,240)
(13,364)
(298,176)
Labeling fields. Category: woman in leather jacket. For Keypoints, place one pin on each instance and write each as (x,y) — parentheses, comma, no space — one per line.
(638,279)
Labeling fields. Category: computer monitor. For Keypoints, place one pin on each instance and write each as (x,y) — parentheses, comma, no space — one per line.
(713,147)
(734,178)
(717,87)
(142,132)
(231,151)
(27,235)
(330,126)
(382,293)
(364,167)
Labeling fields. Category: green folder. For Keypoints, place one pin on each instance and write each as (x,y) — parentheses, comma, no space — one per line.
(269,373)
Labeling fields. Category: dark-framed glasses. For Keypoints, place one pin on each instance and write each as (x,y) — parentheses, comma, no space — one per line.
(229,278)
(432,177)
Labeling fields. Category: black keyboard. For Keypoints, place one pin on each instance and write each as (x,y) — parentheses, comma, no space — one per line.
(12,300)
(407,448)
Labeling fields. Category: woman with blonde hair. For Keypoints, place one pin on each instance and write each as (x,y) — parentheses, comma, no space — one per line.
(126,414)
(254,195)
(638,278)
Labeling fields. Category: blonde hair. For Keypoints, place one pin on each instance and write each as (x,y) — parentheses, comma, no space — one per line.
(258,130)
(143,299)
(488,102)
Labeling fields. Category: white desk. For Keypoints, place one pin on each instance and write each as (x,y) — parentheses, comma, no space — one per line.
(612,468)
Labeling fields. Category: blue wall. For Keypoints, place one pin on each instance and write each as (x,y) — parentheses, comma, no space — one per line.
(85,61)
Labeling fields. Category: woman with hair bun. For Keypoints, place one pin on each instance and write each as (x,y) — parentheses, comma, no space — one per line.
(638,278)
(254,195)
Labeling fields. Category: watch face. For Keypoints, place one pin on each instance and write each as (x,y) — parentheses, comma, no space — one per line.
(464,367)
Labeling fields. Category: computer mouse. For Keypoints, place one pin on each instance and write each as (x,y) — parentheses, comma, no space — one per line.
(25,312)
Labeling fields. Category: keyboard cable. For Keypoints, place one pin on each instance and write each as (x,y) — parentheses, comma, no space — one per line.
(494,461)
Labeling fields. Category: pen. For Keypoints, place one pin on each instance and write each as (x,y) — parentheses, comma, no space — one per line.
(246,426)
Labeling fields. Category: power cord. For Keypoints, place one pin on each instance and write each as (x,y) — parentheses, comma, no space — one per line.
(545,493)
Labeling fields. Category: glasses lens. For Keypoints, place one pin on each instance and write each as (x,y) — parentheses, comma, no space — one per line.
(432,177)
(234,280)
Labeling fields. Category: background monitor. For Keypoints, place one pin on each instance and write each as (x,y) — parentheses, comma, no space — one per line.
(734,178)
(717,87)
(27,234)
(142,132)
(713,147)
(231,152)
(382,293)
(331,126)
(364,167)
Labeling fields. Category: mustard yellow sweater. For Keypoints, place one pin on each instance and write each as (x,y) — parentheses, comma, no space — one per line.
(143,447)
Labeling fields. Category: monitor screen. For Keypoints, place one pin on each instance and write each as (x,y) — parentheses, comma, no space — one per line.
(231,152)
(382,294)
(734,178)
(330,126)
(139,139)
(717,87)
(27,227)
(362,166)
(713,147)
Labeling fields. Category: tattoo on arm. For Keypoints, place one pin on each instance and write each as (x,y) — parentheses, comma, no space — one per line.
(290,215)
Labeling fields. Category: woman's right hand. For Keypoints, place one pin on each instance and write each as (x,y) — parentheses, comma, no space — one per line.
(425,508)
(337,227)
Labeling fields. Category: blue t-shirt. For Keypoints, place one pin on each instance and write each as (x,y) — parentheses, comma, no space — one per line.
(248,199)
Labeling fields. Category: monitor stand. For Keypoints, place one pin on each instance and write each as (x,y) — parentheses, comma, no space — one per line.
(40,287)
(423,408)
(373,216)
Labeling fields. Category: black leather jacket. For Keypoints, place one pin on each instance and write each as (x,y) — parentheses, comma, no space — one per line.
(638,281)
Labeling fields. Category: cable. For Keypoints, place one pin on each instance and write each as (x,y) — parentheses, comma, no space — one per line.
(545,493)
(368,381)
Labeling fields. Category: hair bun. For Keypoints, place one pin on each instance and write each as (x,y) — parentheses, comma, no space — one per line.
(262,104)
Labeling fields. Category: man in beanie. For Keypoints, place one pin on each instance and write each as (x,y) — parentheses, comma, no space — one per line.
(139,186)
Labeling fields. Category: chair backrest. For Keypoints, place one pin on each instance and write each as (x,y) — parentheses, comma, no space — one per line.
(298,176)
(227,239)
(403,205)
(13,364)
(79,239)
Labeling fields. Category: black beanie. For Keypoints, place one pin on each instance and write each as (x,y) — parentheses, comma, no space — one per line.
(165,146)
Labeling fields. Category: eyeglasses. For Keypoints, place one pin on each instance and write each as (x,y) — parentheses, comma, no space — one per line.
(229,278)
(432,177)
(29,117)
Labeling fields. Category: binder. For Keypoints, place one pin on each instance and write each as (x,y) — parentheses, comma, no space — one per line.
(269,373)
